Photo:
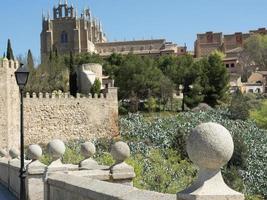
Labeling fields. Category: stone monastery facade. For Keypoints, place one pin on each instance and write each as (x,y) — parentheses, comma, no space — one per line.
(67,32)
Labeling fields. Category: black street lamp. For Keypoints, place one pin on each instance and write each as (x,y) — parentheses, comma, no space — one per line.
(22,75)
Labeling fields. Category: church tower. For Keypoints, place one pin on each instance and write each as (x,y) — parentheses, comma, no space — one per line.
(65,32)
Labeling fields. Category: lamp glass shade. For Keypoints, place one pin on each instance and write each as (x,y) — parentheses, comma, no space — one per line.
(22,75)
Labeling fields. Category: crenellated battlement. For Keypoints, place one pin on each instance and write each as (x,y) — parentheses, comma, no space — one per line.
(61,95)
(5,63)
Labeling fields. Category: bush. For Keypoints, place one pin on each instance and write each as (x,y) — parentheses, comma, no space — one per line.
(239,108)
(250,154)
(96,87)
(150,169)
(151,104)
(158,151)
(260,115)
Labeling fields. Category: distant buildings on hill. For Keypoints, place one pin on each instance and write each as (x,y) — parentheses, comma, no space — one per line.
(67,32)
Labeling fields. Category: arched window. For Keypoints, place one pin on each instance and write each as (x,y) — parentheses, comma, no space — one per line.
(64,37)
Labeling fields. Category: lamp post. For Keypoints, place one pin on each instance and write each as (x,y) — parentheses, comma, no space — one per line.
(22,77)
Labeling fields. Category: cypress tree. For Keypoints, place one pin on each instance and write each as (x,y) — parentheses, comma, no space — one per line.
(30,63)
(9,52)
(216,80)
(31,85)
(72,77)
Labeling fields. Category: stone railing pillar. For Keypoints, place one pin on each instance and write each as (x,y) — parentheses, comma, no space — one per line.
(88,150)
(121,172)
(209,146)
(4,168)
(35,174)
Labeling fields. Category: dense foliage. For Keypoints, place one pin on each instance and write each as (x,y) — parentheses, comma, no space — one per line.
(158,151)
(255,49)
(250,156)
(96,87)
(239,107)
(260,115)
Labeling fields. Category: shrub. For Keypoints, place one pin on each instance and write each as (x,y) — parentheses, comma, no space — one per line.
(151,104)
(239,108)
(162,171)
(260,115)
(96,87)
(250,154)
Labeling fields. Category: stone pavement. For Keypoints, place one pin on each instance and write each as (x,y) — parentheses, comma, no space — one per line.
(5,194)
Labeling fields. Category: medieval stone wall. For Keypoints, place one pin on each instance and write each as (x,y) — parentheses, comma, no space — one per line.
(67,118)
(49,116)
(9,105)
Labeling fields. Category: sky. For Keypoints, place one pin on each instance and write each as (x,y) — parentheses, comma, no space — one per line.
(177,21)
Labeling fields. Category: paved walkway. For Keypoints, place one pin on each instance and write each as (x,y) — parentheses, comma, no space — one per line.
(5,194)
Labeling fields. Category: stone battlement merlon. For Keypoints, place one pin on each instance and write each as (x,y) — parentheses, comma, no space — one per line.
(5,63)
(59,95)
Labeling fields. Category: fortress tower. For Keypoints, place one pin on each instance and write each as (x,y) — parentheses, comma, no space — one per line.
(66,31)
(9,105)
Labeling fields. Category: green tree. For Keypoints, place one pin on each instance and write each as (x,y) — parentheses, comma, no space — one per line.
(260,115)
(138,77)
(30,62)
(112,64)
(239,107)
(166,92)
(96,87)
(83,58)
(255,48)
(72,76)
(186,74)
(9,51)
(51,75)
(151,104)
(32,75)
(215,80)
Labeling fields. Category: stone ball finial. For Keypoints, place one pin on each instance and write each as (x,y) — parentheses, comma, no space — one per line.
(120,151)
(35,152)
(88,149)
(56,148)
(14,153)
(3,153)
(210,146)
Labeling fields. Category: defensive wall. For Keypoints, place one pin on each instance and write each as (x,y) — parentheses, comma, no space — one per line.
(59,115)
(9,104)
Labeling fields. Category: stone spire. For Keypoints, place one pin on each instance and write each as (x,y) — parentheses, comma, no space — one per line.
(48,15)
(43,17)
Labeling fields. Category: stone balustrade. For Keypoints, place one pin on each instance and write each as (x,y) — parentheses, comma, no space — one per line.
(209,146)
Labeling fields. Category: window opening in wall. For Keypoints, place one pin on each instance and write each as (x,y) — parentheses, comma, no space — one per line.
(64,37)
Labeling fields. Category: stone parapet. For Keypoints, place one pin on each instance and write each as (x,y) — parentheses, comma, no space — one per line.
(209,146)
(72,187)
